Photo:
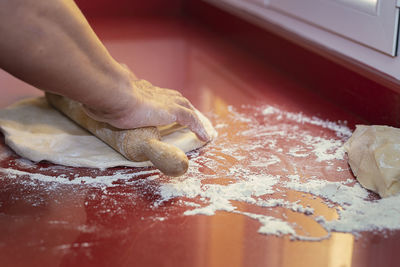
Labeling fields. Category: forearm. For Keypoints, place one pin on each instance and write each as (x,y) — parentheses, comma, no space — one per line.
(50,45)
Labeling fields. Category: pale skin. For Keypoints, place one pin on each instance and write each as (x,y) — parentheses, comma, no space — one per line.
(50,45)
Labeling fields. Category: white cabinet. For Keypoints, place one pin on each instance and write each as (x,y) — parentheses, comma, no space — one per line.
(363,31)
(372,23)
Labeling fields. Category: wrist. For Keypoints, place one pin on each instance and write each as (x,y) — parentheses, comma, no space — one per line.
(116,99)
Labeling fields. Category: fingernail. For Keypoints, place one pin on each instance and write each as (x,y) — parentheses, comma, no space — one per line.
(205,135)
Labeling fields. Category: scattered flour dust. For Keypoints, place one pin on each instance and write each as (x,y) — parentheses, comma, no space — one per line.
(275,163)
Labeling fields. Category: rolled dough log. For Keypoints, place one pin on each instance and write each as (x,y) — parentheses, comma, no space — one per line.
(36,131)
(374,158)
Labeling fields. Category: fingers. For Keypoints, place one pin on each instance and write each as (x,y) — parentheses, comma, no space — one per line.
(188,117)
(154,106)
(185,113)
(168,92)
(175,96)
(184,103)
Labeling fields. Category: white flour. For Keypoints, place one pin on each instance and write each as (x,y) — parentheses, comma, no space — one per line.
(275,161)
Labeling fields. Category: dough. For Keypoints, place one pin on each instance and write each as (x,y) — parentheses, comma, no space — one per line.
(36,131)
(374,158)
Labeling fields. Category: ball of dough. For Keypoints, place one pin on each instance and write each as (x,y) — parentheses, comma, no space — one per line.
(374,158)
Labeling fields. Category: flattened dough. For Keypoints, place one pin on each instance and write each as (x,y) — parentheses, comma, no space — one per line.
(374,158)
(38,132)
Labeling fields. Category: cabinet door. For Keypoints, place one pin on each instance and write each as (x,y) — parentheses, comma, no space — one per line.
(373,23)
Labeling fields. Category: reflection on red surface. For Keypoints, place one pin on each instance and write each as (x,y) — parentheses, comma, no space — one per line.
(61,224)
(366,93)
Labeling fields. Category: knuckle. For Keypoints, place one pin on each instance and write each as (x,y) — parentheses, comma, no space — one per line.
(184,102)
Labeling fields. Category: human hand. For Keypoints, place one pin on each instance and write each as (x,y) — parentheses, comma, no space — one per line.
(142,104)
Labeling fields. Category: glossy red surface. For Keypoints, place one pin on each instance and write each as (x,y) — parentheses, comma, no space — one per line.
(354,89)
(64,224)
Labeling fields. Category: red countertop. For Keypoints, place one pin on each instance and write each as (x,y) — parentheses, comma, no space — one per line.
(68,224)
